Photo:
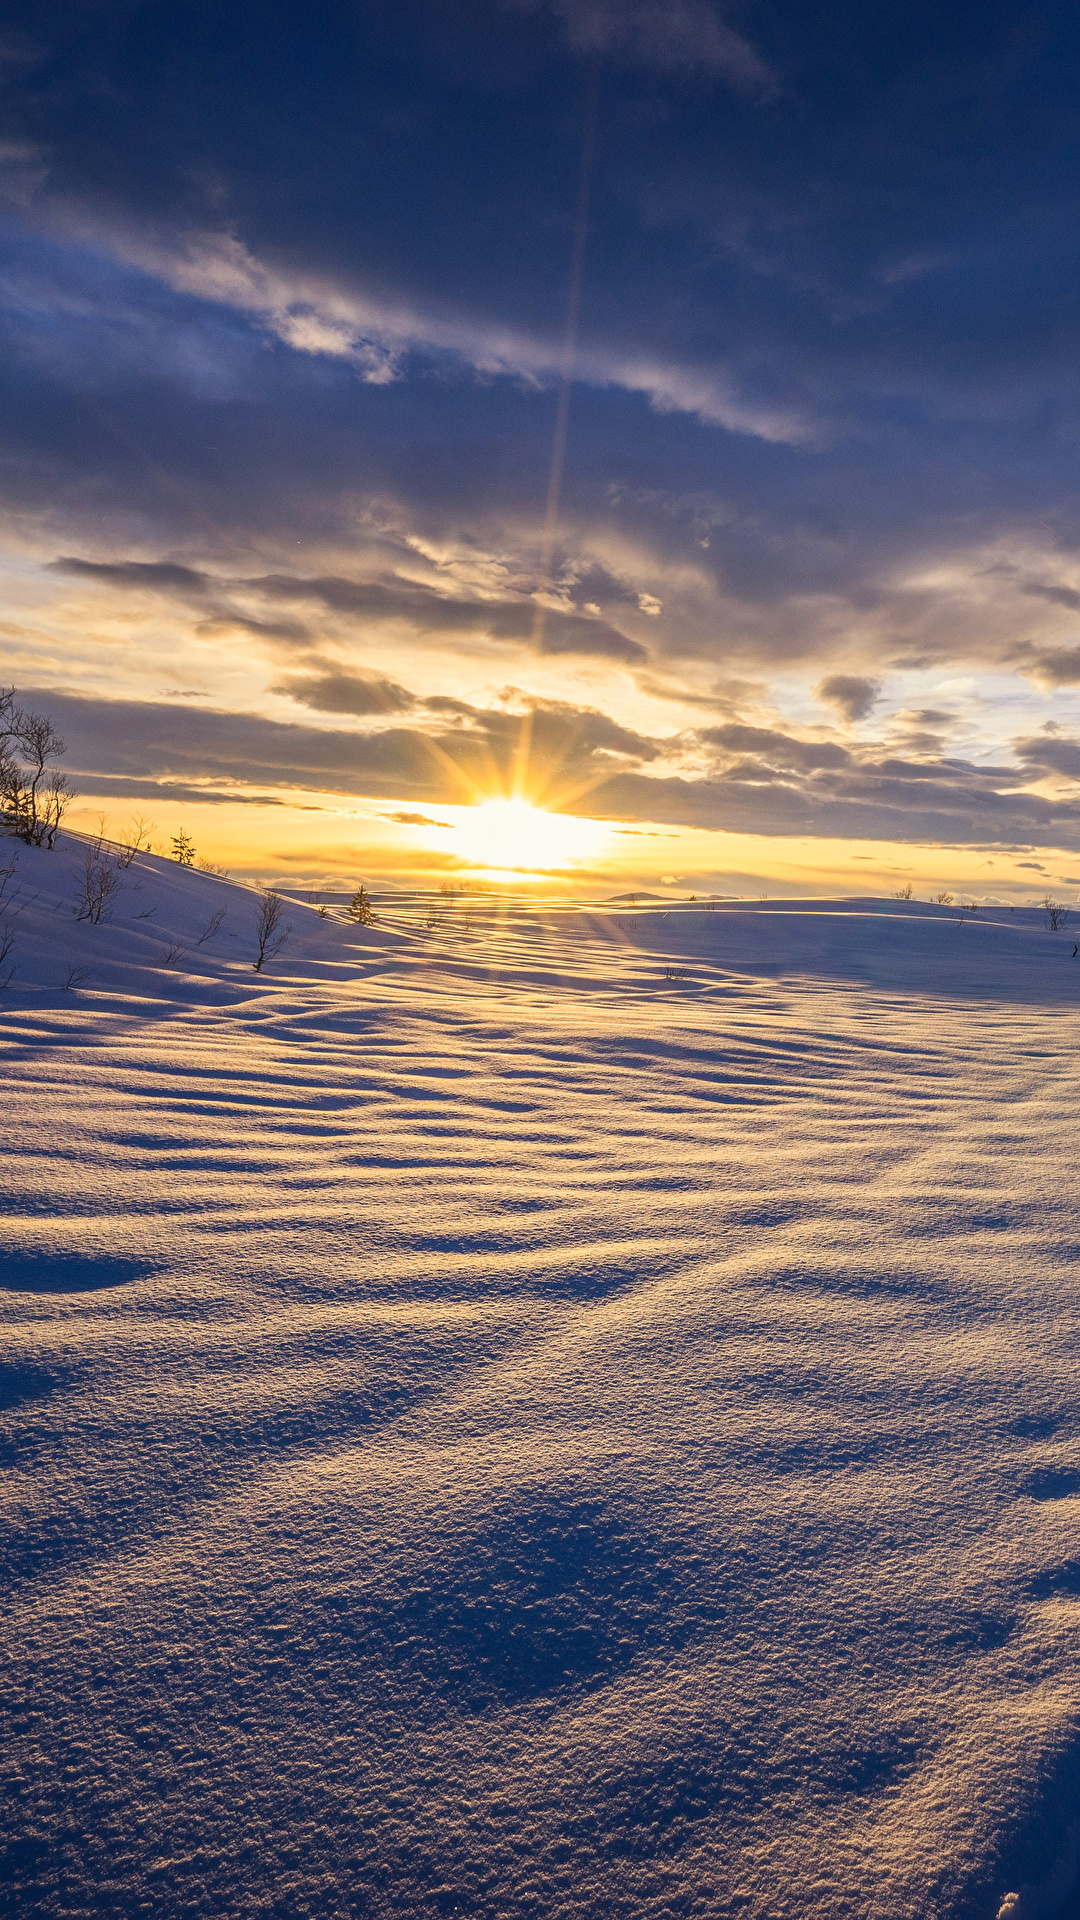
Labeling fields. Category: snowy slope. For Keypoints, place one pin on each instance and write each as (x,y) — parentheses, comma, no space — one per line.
(494,1429)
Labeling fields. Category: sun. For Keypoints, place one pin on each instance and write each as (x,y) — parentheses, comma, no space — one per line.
(517,837)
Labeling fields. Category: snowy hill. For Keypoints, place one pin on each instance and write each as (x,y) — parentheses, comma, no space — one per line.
(546,1412)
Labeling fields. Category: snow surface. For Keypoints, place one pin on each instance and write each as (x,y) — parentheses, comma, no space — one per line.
(492,1429)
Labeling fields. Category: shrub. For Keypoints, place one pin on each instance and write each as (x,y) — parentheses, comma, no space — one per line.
(183,848)
(360,908)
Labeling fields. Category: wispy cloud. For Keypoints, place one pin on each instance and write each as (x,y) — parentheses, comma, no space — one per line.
(318,314)
(666,36)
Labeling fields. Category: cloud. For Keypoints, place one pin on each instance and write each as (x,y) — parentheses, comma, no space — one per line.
(1058,595)
(761,781)
(325,312)
(949,804)
(665,36)
(190,585)
(853,695)
(221,625)
(1051,666)
(422,608)
(425,610)
(449,756)
(338,692)
(380,432)
(151,576)
(775,750)
(1050,752)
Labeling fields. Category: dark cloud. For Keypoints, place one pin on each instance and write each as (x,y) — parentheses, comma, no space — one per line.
(956,804)
(776,750)
(347,693)
(151,576)
(1058,596)
(1053,666)
(421,609)
(851,693)
(425,611)
(1050,752)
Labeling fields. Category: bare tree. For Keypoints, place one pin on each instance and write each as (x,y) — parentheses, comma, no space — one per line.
(8,711)
(905,892)
(212,927)
(7,879)
(943,899)
(34,795)
(270,935)
(100,880)
(1057,916)
(135,841)
(7,965)
(7,931)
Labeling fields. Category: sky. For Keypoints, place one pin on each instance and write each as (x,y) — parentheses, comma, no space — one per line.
(660,414)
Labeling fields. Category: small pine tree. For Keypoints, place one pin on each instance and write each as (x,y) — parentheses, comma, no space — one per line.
(360,908)
(183,848)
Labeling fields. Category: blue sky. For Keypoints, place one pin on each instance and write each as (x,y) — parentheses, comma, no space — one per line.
(283,304)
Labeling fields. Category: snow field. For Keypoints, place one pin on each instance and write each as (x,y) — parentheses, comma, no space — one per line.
(489,1429)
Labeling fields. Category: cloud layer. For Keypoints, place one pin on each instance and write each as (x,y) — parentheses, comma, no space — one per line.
(283,326)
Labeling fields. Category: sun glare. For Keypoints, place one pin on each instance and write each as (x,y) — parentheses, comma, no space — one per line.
(511,834)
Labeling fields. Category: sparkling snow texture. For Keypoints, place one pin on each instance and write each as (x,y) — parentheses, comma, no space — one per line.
(491,1429)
